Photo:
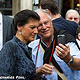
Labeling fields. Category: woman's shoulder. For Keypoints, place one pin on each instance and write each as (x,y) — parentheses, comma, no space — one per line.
(10,44)
(9,47)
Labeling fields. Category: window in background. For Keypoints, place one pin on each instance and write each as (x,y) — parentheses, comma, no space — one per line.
(6,7)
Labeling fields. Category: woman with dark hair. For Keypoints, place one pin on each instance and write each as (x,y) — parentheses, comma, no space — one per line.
(15,56)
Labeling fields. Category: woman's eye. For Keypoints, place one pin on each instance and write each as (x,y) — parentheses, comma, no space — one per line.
(32,27)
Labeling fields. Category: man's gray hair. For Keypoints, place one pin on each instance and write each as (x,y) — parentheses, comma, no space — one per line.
(43,10)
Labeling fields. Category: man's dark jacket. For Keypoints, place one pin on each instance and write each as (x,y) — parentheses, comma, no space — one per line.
(8,31)
(61,23)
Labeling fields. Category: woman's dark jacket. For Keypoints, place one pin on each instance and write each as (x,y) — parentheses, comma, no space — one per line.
(15,60)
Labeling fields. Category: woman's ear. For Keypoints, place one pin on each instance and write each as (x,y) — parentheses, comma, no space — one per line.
(19,28)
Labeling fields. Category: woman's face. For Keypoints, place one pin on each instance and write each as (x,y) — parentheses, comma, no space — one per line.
(73,17)
(29,30)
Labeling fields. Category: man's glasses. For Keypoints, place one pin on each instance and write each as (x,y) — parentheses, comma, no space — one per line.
(44,23)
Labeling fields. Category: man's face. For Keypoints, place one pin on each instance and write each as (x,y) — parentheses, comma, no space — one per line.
(45,28)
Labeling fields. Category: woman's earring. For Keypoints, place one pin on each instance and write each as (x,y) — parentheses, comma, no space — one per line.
(20,32)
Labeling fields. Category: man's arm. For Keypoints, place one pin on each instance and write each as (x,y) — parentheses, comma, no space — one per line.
(63,52)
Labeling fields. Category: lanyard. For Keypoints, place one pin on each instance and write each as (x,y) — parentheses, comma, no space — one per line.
(37,51)
(51,51)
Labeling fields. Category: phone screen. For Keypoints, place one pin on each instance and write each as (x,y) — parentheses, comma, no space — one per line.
(61,39)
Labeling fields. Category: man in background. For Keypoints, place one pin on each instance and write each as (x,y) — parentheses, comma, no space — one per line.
(6,29)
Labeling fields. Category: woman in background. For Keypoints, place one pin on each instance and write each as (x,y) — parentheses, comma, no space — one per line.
(72,15)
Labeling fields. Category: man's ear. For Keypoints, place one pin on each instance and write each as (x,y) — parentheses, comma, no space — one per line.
(48,11)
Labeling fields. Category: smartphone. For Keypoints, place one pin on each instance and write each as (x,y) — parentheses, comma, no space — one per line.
(61,39)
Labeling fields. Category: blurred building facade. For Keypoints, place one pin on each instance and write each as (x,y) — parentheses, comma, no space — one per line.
(11,7)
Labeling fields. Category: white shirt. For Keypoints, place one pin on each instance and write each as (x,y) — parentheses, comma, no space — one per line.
(68,72)
(1,32)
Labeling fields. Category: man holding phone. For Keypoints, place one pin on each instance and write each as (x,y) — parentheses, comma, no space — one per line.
(48,64)
(63,52)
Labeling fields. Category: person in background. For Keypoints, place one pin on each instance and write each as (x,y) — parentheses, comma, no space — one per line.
(72,15)
(43,51)
(78,36)
(6,29)
(58,21)
(15,56)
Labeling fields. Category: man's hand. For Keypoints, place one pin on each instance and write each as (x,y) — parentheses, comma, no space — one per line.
(63,52)
(45,69)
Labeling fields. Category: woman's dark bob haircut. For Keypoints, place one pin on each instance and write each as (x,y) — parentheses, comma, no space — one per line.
(23,17)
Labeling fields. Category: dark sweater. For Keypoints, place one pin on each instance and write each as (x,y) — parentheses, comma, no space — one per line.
(61,23)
